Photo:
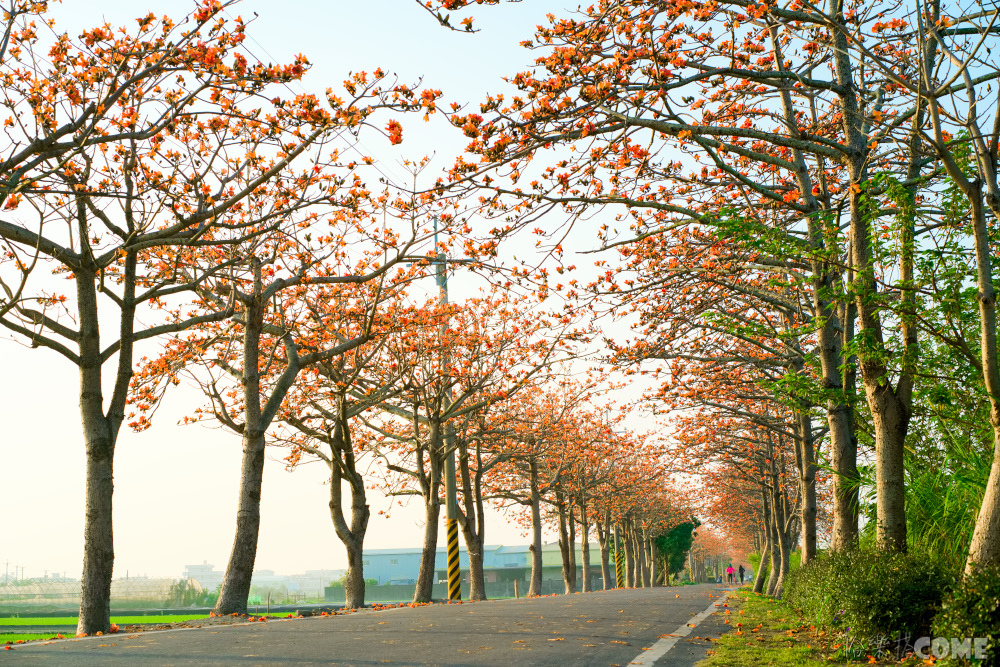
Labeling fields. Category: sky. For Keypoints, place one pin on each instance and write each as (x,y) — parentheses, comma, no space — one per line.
(176,486)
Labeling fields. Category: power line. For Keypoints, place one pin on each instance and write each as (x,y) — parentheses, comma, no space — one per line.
(339,135)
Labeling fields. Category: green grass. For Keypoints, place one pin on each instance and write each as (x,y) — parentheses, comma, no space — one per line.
(120,620)
(70,622)
(771,634)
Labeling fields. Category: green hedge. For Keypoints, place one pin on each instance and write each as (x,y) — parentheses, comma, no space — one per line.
(874,594)
(972,609)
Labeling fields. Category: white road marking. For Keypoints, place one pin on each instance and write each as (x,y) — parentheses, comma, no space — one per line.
(660,648)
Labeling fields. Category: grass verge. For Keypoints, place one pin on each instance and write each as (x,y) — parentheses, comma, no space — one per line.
(765,632)
(770,632)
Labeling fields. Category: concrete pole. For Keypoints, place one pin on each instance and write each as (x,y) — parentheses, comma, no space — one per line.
(450,490)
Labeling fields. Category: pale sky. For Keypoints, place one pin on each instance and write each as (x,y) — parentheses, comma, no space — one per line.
(175,487)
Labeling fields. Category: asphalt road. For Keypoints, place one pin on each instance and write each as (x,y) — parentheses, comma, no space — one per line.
(607,628)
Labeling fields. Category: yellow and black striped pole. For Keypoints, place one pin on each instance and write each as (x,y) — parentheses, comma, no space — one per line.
(619,562)
(454,573)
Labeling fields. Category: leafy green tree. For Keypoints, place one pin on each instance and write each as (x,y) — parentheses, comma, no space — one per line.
(674,546)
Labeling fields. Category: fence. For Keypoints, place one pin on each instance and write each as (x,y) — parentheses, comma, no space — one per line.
(404,592)
(47,595)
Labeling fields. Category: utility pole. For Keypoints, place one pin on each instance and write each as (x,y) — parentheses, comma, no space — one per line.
(619,554)
(450,491)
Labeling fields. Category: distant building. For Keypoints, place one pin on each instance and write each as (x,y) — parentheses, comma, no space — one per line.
(311,583)
(205,574)
(500,563)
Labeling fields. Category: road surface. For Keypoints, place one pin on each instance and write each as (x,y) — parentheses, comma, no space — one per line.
(618,627)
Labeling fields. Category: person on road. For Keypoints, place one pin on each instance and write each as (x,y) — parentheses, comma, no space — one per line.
(742,572)
(730,573)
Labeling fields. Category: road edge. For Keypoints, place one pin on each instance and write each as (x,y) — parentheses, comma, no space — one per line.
(660,648)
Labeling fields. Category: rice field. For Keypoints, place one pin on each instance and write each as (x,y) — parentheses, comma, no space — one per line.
(15,621)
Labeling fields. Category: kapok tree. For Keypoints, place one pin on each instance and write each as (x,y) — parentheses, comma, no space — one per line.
(970,154)
(482,352)
(123,143)
(284,323)
(597,463)
(324,414)
(731,319)
(623,86)
(536,455)
(748,440)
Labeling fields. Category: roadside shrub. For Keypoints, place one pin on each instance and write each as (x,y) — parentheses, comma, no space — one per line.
(972,609)
(811,590)
(874,594)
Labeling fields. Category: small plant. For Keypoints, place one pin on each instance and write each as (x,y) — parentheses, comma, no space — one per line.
(972,609)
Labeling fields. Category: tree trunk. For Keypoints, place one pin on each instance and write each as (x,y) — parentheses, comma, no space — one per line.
(257,417)
(470,518)
(571,525)
(427,574)
(354,582)
(822,235)
(477,579)
(652,556)
(100,432)
(807,484)
(890,408)
(585,545)
(784,546)
(984,549)
(98,540)
(629,558)
(843,438)
(343,468)
(890,420)
(775,552)
(430,487)
(535,587)
(641,567)
(784,554)
(603,539)
(844,445)
(568,572)
(761,574)
(239,571)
